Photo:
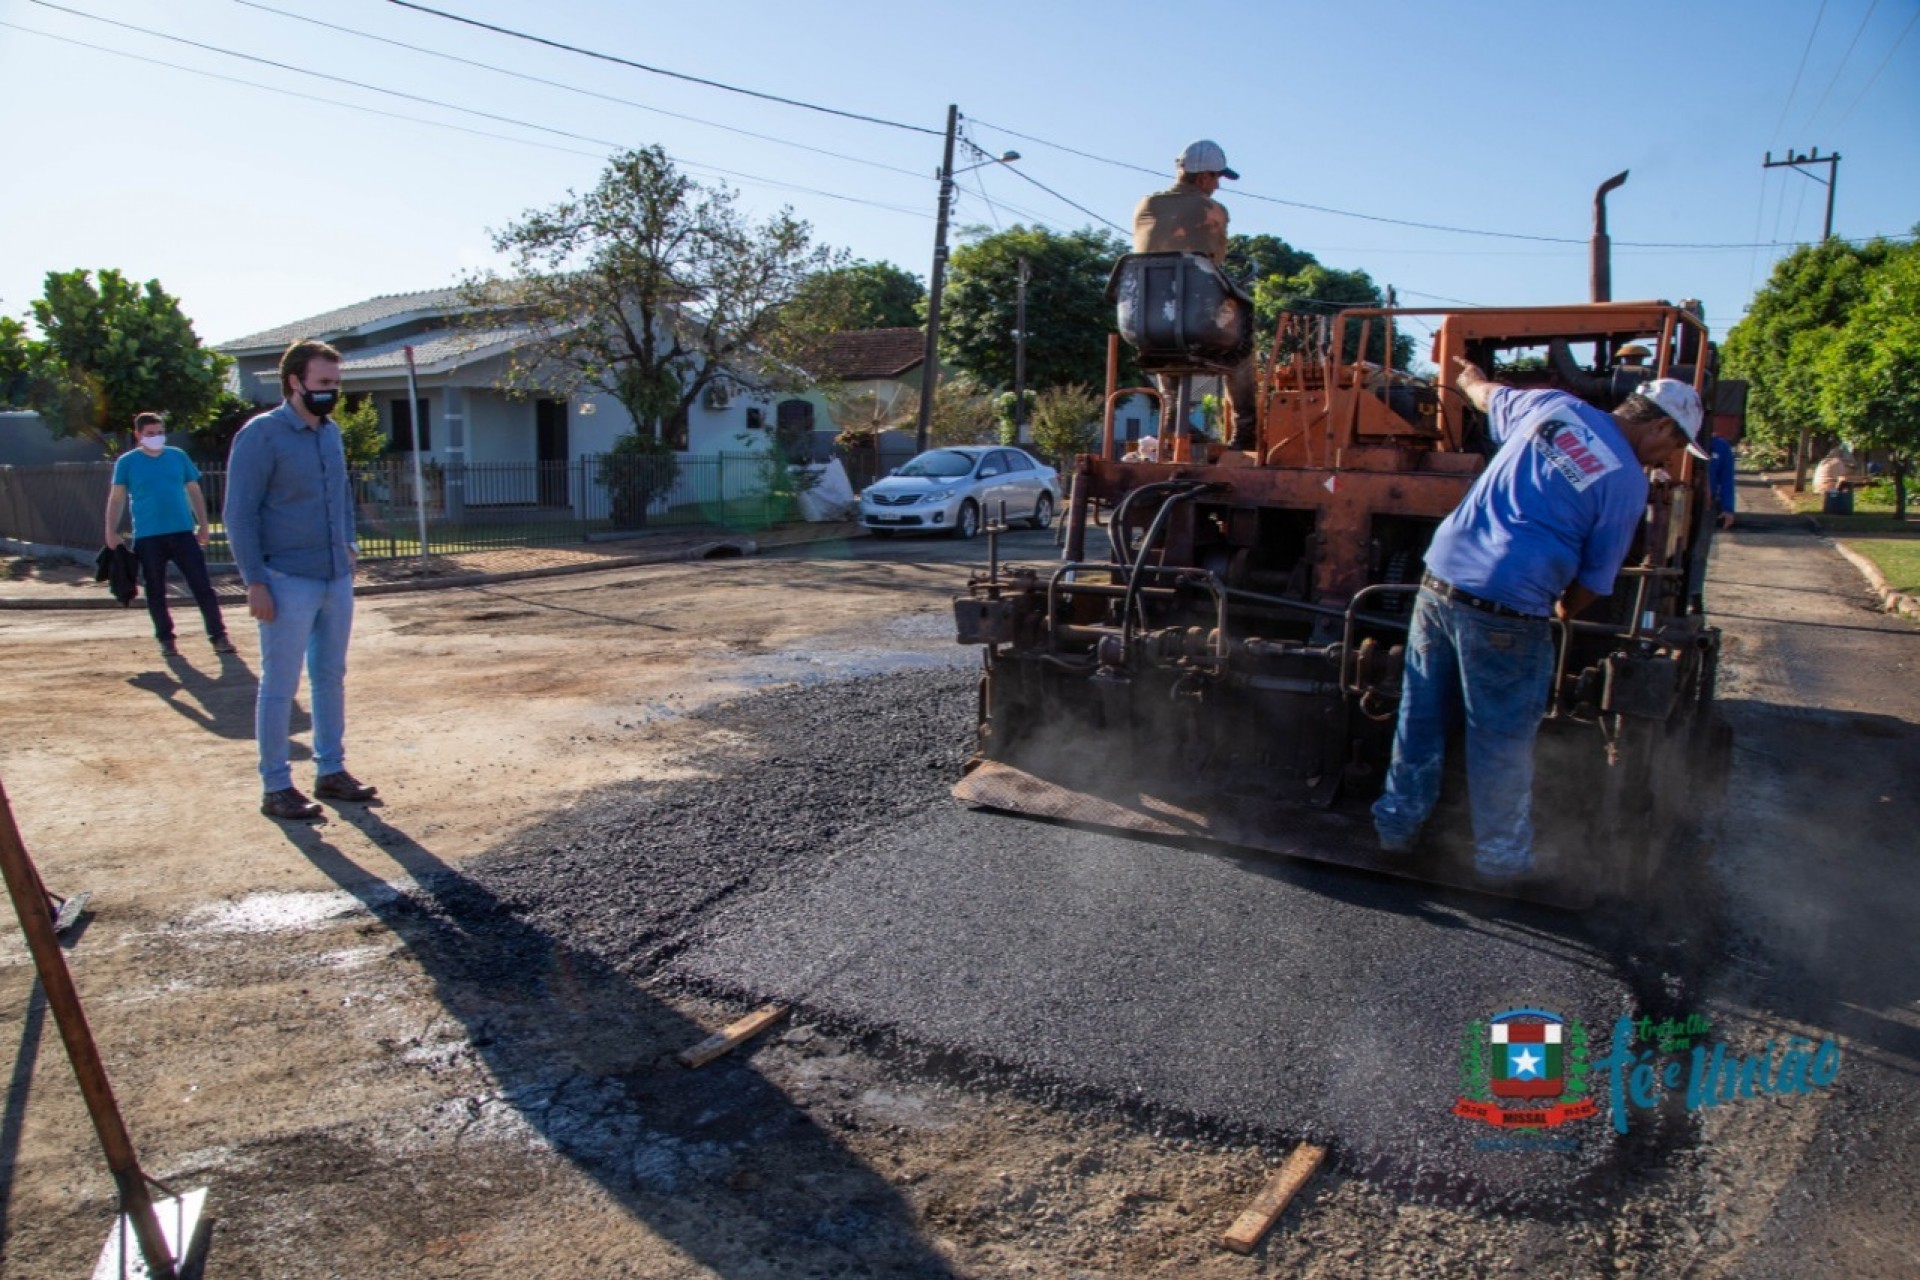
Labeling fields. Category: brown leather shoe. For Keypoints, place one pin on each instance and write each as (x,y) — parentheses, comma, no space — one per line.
(289,805)
(343,786)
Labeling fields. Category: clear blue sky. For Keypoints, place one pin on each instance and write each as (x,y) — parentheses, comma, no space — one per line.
(256,207)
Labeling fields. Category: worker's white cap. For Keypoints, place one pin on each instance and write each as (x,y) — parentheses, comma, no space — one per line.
(1205,156)
(1681,403)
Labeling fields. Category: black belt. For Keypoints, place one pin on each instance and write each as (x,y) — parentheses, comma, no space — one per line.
(1447,591)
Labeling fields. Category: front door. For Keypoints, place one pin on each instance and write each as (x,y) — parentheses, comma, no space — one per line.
(550,432)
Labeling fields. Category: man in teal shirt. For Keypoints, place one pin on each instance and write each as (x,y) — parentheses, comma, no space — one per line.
(169,525)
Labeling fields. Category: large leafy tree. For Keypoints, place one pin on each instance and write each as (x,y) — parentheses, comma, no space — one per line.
(1781,346)
(653,287)
(109,348)
(1068,317)
(1254,258)
(1317,289)
(1868,371)
(15,362)
(862,295)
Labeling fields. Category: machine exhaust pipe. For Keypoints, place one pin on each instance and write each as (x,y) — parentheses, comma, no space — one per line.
(1600,255)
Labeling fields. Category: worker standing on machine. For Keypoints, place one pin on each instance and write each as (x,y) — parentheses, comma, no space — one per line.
(1542,532)
(1186,218)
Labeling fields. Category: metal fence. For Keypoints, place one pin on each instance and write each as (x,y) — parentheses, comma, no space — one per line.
(471,507)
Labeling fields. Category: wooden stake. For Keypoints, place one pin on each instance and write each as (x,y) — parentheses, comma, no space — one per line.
(30,904)
(733,1037)
(1250,1227)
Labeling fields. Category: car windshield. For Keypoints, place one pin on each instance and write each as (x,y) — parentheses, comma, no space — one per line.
(940,464)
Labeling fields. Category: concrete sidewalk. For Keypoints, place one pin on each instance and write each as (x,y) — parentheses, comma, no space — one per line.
(55,582)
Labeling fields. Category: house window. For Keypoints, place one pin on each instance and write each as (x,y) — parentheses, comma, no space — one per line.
(403,427)
(794,428)
(1133,429)
(674,430)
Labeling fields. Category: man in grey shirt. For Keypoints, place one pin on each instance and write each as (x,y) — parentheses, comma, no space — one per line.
(289,517)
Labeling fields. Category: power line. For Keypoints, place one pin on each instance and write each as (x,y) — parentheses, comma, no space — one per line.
(1374,217)
(662,71)
(1027,177)
(307,97)
(1872,79)
(572,88)
(1844,59)
(449,106)
(1799,71)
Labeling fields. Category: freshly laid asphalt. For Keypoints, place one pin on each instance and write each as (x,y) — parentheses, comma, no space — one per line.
(824,864)
(1247,994)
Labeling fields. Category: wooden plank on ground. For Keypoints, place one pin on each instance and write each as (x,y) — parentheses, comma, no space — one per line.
(733,1036)
(1245,1234)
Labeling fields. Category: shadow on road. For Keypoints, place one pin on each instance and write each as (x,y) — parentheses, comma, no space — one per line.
(220,704)
(584,1056)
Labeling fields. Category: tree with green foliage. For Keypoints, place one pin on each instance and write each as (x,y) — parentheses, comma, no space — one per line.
(1319,290)
(360,432)
(15,363)
(1006,414)
(1254,258)
(110,348)
(1780,347)
(862,295)
(963,413)
(1868,372)
(653,288)
(637,470)
(1066,422)
(1068,316)
(213,438)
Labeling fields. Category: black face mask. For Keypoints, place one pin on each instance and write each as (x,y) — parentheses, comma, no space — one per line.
(318,403)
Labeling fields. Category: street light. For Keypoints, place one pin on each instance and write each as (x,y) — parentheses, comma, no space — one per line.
(937,278)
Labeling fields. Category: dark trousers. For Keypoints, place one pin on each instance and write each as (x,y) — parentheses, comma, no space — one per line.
(182,549)
(1242,388)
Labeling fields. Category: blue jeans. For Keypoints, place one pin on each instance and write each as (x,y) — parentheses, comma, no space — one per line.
(183,548)
(1495,673)
(312,620)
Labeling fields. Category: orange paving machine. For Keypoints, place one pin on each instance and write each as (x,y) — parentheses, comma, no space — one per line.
(1218,653)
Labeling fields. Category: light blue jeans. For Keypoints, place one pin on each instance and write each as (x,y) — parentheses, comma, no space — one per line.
(1495,673)
(312,621)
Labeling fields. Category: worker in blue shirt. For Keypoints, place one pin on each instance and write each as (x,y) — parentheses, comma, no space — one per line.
(289,516)
(1542,532)
(1720,474)
(169,527)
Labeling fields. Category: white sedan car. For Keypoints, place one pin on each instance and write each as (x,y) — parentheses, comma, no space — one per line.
(957,490)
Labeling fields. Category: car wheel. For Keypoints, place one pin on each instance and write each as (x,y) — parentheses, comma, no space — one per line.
(1043,511)
(967,522)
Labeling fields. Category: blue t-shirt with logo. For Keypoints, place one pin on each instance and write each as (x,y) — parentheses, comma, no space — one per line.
(1559,502)
(157,484)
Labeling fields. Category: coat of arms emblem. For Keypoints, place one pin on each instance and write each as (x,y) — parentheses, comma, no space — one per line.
(1525,1068)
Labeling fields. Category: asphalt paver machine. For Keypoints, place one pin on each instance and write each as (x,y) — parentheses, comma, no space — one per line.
(1218,653)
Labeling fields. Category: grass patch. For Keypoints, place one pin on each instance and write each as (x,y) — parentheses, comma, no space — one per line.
(1898,560)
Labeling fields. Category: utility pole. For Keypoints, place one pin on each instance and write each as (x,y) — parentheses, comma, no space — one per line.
(936,280)
(1831,182)
(1801,162)
(1020,352)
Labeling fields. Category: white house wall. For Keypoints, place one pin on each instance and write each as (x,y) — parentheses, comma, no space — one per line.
(499,429)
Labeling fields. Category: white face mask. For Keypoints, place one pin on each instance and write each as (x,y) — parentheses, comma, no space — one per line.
(154,444)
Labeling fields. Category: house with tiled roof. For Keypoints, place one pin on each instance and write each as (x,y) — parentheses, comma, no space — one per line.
(460,353)
(875,355)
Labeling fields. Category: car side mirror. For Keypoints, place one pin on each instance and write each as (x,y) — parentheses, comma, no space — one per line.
(988,473)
